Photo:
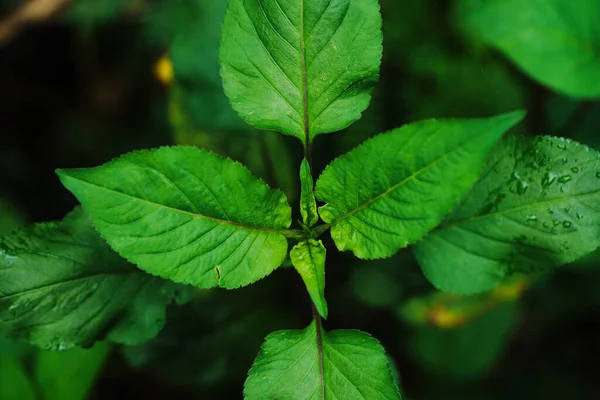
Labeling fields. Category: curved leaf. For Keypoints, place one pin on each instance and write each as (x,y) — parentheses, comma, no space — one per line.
(393,189)
(308,205)
(62,286)
(308,258)
(534,208)
(555,41)
(301,67)
(314,364)
(186,214)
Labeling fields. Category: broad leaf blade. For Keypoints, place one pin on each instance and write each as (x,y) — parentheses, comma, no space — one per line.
(534,208)
(62,286)
(301,67)
(186,214)
(396,187)
(308,205)
(308,258)
(354,366)
(555,41)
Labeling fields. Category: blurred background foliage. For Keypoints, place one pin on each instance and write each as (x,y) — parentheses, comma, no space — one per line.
(83,81)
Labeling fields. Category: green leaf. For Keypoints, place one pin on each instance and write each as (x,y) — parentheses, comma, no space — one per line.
(314,364)
(70,374)
(396,187)
(14,381)
(62,286)
(308,204)
(534,208)
(308,258)
(186,214)
(301,67)
(554,41)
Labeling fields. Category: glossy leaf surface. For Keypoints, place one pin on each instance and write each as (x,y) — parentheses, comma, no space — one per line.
(308,364)
(301,67)
(186,214)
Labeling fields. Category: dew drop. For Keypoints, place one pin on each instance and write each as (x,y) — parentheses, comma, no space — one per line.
(548,179)
(575,169)
(531,218)
(567,224)
(546,225)
(555,223)
(564,160)
(598,174)
(579,216)
(522,187)
(564,178)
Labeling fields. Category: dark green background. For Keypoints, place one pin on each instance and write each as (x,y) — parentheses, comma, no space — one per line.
(79,89)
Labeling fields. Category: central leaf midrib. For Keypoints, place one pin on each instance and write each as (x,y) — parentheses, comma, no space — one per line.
(303,73)
(176,210)
(50,285)
(397,185)
(535,204)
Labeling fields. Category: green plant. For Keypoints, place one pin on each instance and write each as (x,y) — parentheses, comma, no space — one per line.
(477,206)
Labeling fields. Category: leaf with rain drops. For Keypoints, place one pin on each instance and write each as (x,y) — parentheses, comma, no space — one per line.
(535,207)
(315,364)
(62,286)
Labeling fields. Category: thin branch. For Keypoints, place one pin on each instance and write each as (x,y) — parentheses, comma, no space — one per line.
(30,12)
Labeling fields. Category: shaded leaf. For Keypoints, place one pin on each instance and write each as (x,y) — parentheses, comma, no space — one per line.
(301,68)
(534,208)
(555,41)
(62,286)
(468,351)
(393,189)
(186,214)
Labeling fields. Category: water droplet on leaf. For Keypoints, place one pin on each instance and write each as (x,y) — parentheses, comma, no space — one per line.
(565,178)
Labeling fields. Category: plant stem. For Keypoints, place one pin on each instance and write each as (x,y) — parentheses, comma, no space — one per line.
(321,229)
(319,330)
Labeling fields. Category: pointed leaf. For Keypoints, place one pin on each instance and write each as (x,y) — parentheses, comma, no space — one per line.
(186,214)
(555,41)
(534,208)
(308,204)
(301,67)
(62,286)
(308,258)
(314,364)
(396,187)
